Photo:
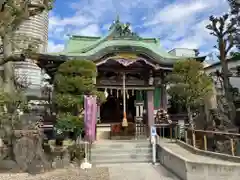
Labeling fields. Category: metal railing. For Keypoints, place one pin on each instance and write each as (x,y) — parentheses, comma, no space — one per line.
(213,141)
(141,130)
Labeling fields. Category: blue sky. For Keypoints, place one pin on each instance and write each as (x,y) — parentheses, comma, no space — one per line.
(177,23)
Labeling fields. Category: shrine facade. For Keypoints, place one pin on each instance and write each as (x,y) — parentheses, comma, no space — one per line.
(131,72)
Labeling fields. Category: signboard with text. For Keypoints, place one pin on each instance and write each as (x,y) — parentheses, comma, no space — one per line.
(153,131)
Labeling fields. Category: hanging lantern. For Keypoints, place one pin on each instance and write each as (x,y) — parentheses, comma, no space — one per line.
(106,93)
(127,94)
(150,80)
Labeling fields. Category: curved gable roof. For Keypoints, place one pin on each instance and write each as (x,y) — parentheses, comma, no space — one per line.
(119,35)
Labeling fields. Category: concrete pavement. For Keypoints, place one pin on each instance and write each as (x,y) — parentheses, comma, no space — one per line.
(138,171)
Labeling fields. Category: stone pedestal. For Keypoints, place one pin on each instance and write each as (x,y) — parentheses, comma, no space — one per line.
(103,131)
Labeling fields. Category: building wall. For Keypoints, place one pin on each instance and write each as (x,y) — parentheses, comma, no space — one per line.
(183,52)
(235,81)
(36,31)
(29,73)
(36,28)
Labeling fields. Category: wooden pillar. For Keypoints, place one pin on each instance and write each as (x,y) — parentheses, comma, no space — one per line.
(98,113)
(164,97)
(150,108)
(157,98)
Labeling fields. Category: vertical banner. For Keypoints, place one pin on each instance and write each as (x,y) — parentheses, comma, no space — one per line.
(90,117)
(150,108)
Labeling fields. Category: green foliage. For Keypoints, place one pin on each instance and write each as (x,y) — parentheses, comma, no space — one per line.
(67,102)
(73,80)
(10,107)
(189,83)
(100,95)
(69,123)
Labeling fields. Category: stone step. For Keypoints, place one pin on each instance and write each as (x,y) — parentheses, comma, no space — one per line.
(123,151)
(122,159)
(102,151)
(120,145)
(121,156)
(140,141)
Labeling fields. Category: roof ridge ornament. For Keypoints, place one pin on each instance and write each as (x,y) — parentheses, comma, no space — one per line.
(123,30)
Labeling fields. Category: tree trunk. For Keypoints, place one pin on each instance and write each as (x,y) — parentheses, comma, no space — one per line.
(190,118)
(1,67)
(8,66)
(226,81)
(1,76)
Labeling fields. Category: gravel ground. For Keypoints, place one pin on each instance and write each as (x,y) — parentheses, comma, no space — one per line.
(131,171)
(100,173)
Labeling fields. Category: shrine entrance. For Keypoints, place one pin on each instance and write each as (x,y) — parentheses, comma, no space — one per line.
(126,80)
(112,114)
(112,110)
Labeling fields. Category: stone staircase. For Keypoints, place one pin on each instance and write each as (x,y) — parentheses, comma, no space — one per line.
(121,151)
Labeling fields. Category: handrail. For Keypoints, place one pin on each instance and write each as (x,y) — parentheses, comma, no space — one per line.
(195,136)
(216,132)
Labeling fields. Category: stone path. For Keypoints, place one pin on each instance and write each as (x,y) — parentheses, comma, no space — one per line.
(133,171)
(139,171)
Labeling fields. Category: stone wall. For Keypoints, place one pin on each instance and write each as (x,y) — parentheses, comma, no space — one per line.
(190,170)
(172,162)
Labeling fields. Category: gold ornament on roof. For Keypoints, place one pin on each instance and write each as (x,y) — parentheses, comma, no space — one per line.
(130,56)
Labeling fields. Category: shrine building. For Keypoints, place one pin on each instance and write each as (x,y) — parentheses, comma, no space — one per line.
(126,63)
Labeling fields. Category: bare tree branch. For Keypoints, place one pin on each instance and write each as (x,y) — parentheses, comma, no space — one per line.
(224,29)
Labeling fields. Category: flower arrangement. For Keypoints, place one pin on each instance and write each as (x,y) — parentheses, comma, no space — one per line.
(118,130)
(162,117)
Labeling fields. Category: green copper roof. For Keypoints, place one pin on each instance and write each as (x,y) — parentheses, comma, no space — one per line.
(118,42)
(81,43)
(119,35)
(76,43)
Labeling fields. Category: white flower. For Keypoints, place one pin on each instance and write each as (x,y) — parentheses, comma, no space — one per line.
(59,131)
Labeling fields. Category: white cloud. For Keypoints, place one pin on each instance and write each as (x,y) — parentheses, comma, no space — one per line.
(90,30)
(199,37)
(53,47)
(75,20)
(177,12)
(180,23)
